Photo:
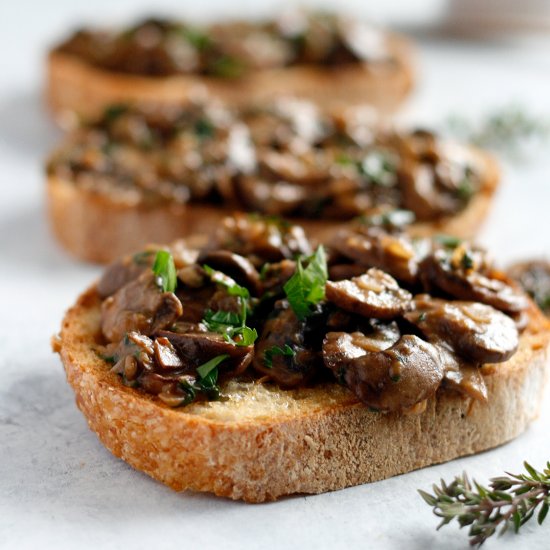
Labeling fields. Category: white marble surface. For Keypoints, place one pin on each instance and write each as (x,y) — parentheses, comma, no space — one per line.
(59,488)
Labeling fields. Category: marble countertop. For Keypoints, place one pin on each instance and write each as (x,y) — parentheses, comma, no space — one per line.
(59,488)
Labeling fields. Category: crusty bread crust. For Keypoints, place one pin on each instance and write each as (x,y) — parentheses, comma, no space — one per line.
(96,228)
(264,442)
(75,86)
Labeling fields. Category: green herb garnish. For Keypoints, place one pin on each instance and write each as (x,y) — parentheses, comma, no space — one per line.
(448,241)
(465,189)
(204,128)
(285,351)
(226,67)
(207,383)
(207,370)
(506,129)
(306,288)
(112,112)
(233,289)
(165,271)
(509,502)
(231,325)
(196,37)
(467,261)
(379,168)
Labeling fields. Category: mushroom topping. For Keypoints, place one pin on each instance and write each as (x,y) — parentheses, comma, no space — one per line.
(165,355)
(467,379)
(374,294)
(534,278)
(281,353)
(374,247)
(141,306)
(420,194)
(339,347)
(457,274)
(235,266)
(197,347)
(303,170)
(394,379)
(476,331)
(267,240)
(122,271)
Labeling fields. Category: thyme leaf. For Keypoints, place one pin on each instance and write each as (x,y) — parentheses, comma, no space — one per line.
(509,501)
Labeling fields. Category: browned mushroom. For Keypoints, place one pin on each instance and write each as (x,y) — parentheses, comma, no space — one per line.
(393,379)
(456,273)
(373,294)
(476,331)
(235,266)
(141,306)
(281,353)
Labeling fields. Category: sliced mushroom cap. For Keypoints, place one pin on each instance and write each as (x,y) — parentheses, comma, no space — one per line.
(374,294)
(122,271)
(238,267)
(467,380)
(476,331)
(340,347)
(166,356)
(534,278)
(195,348)
(396,378)
(291,369)
(131,355)
(374,247)
(139,306)
(461,374)
(271,198)
(421,194)
(304,170)
(268,240)
(466,283)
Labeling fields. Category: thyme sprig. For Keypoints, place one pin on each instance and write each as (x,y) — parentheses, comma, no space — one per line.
(507,129)
(510,501)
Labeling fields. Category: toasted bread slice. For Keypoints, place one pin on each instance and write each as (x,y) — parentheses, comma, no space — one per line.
(262,442)
(76,89)
(97,228)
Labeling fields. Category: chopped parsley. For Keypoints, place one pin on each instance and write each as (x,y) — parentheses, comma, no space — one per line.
(448,241)
(113,112)
(195,37)
(165,271)
(204,128)
(465,189)
(232,325)
(209,371)
(233,289)
(467,261)
(379,168)
(306,287)
(207,383)
(226,67)
(285,351)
